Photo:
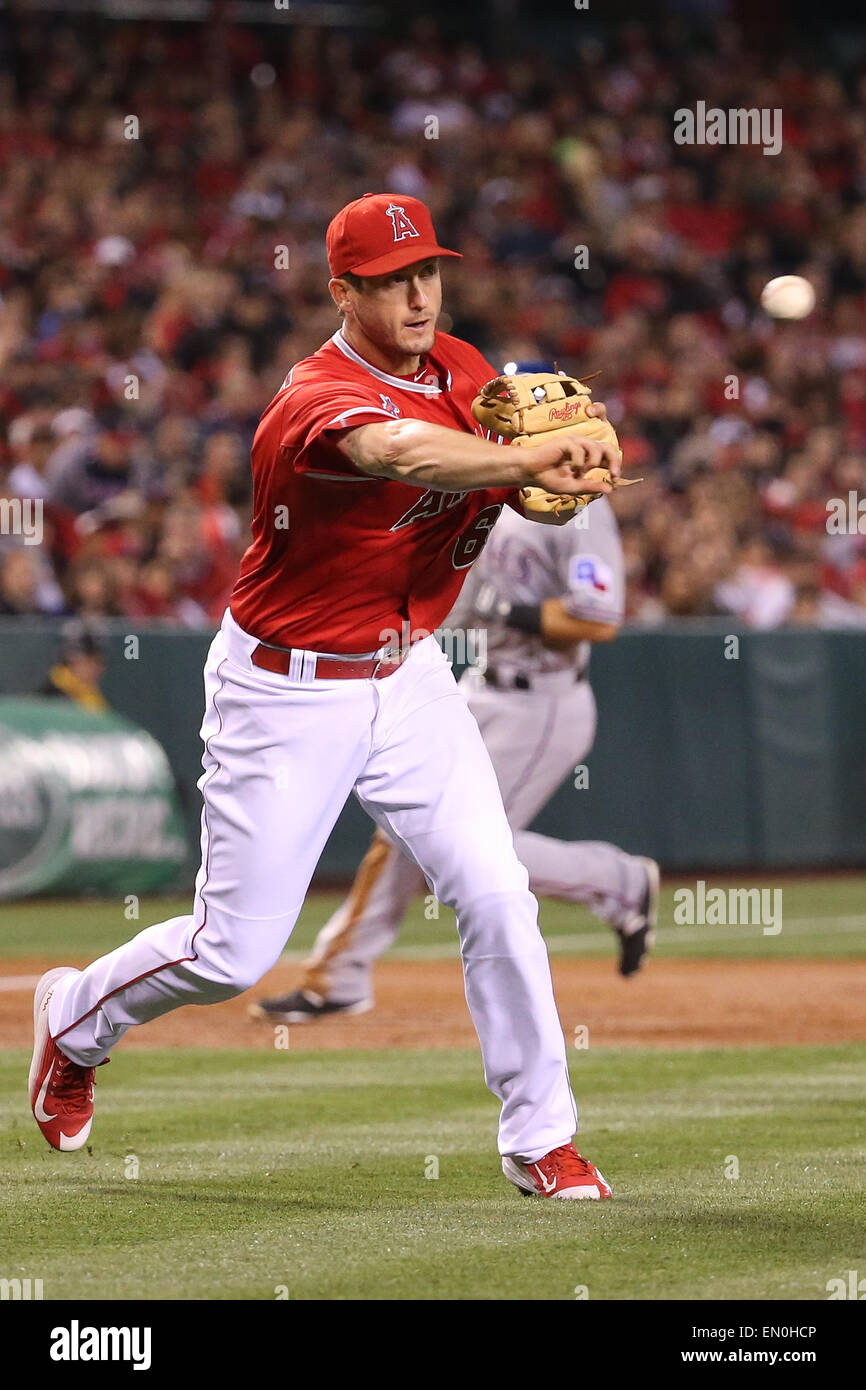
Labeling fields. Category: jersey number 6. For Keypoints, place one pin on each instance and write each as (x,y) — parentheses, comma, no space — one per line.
(470,544)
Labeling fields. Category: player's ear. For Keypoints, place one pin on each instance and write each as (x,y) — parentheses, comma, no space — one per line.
(341,293)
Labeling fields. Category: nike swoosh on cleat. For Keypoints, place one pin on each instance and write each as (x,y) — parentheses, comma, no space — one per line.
(40,1112)
(38,1108)
(548,1186)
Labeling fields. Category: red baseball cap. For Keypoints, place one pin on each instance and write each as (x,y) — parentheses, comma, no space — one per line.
(381,232)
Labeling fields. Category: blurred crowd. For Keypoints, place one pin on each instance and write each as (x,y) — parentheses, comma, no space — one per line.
(163,200)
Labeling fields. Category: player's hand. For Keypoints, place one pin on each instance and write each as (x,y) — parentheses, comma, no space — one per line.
(559,464)
(488,604)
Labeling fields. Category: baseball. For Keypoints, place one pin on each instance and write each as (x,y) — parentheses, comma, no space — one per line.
(788,297)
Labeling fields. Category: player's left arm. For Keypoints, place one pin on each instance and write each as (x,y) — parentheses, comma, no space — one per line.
(549,620)
(560,629)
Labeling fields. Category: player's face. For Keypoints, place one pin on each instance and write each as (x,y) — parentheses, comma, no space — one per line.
(397,312)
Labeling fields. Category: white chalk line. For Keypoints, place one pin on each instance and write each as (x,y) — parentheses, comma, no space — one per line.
(584,941)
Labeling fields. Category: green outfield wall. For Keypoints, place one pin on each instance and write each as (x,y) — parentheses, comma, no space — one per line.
(715,749)
(87,802)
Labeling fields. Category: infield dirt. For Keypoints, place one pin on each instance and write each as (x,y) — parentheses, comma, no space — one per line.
(420,1004)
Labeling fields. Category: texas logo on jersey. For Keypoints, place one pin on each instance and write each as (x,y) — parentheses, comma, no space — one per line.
(401,222)
(591,572)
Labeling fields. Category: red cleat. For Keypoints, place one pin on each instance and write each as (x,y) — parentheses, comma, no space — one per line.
(561,1173)
(61,1092)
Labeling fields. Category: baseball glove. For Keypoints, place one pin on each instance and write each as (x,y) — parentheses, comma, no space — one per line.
(524,408)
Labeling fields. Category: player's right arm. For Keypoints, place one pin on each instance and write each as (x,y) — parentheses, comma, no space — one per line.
(446,460)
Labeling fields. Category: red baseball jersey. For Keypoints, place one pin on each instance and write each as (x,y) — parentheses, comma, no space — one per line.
(339,560)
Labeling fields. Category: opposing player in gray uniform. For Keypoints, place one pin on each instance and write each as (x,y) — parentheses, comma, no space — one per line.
(543,596)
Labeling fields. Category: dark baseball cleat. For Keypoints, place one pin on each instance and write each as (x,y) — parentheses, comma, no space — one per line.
(637,935)
(305,1006)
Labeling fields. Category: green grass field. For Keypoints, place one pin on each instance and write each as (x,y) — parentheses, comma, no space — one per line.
(737,1173)
(821,917)
(307,1172)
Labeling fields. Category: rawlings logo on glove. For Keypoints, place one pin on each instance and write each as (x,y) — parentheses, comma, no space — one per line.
(526,407)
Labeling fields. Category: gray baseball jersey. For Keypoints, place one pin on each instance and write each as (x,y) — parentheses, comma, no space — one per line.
(535,737)
(580,563)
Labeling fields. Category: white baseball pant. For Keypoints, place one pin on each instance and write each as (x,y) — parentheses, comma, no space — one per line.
(281,756)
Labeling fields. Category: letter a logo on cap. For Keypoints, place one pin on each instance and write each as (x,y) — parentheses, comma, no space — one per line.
(402,225)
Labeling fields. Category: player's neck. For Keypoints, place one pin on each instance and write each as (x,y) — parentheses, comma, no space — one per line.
(398,364)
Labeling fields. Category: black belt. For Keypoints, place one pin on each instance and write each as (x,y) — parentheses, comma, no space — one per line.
(520,681)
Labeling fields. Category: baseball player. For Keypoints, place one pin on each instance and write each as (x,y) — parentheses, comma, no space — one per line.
(375,490)
(544,598)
